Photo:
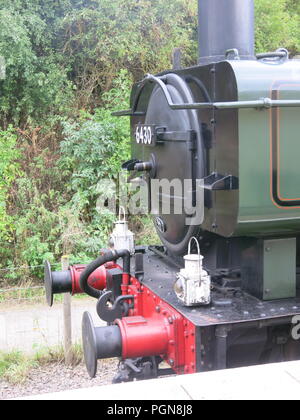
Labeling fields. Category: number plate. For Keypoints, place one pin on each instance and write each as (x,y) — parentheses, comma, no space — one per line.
(145,134)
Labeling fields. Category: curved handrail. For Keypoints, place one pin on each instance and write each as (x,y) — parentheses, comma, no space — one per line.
(266,103)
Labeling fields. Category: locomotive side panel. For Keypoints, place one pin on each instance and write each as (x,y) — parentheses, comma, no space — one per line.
(269,150)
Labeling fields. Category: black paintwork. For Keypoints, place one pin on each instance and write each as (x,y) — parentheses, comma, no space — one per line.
(217,144)
(160,278)
(56,282)
(224,25)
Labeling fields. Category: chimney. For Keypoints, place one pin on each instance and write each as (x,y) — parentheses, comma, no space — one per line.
(225,25)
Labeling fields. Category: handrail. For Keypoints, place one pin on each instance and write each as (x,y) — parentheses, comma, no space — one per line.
(266,103)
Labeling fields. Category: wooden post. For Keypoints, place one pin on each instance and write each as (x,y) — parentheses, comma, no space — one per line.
(67,318)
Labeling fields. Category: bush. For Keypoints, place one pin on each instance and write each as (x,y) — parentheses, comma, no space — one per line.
(9,170)
(36,86)
(69,64)
(94,149)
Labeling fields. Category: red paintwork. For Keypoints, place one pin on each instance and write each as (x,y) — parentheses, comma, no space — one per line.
(97,280)
(154,327)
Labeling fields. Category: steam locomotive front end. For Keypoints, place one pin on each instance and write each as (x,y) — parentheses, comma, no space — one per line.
(217,146)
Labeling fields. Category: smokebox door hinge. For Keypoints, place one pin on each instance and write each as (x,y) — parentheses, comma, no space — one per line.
(189,136)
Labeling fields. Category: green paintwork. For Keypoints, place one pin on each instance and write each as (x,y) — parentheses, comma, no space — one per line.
(258,215)
(279,269)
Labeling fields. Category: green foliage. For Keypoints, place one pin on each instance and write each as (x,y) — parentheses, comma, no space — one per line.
(69,64)
(93,149)
(47,355)
(277,25)
(51,46)
(9,170)
(106,36)
(36,84)
(55,204)
(15,366)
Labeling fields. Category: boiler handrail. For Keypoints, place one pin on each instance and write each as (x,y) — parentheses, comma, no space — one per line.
(265,103)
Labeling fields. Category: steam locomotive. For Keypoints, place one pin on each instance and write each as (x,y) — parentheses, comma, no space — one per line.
(223,292)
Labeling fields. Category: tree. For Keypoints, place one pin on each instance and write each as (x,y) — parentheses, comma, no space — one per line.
(277,25)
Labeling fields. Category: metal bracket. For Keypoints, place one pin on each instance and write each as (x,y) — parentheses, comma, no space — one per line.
(233,52)
(139,369)
(217,182)
(280,54)
(130,164)
(118,309)
(180,136)
(139,266)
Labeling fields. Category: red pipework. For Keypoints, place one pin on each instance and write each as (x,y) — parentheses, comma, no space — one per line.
(141,336)
(97,280)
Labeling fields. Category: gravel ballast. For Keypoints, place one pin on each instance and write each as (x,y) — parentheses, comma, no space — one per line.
(56,377)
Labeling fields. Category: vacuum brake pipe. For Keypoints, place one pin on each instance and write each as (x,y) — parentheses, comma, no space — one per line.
(103,259)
